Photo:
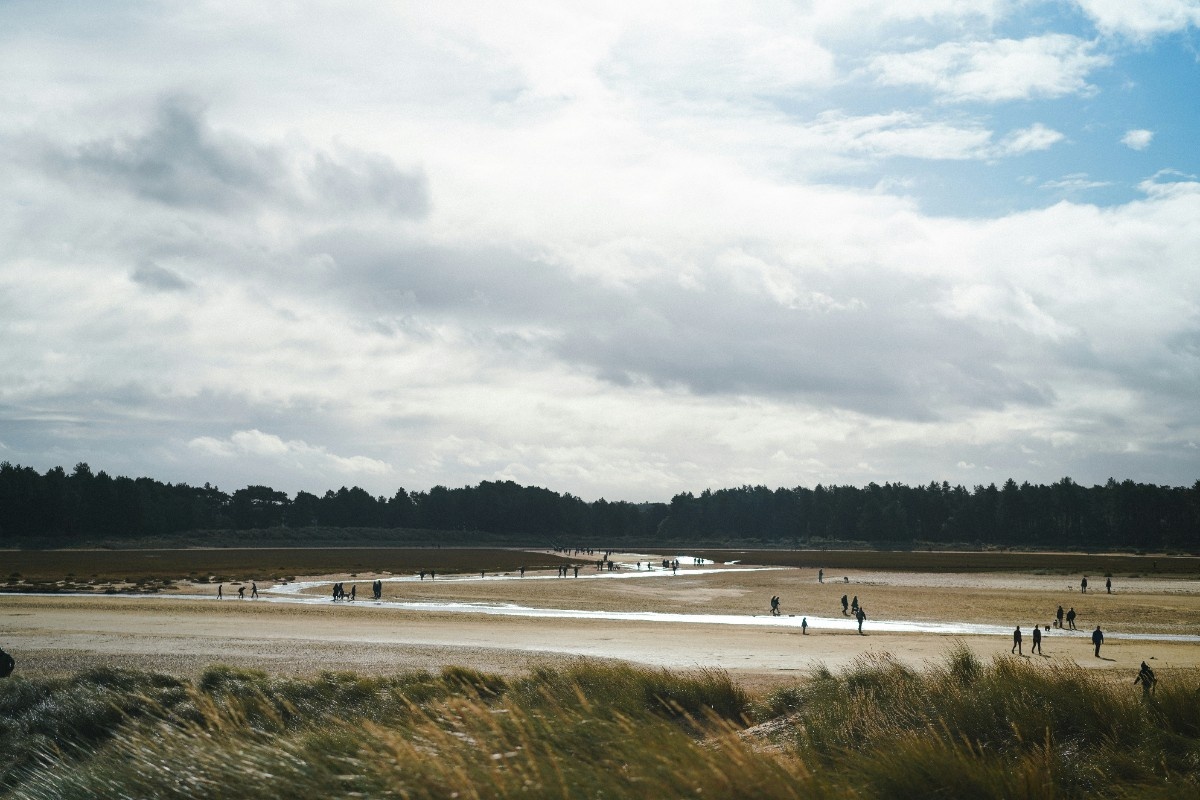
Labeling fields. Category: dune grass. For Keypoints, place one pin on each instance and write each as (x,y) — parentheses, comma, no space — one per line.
(960,728)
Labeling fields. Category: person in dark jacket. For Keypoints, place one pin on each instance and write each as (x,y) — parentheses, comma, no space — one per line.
(1146,678)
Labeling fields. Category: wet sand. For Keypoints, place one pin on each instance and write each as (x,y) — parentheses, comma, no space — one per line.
(186,633)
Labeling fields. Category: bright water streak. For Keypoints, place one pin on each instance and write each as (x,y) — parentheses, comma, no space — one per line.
(815,623)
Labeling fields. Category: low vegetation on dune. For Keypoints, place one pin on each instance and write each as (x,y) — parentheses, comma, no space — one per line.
(1035,562)
(961,728)
(141,571)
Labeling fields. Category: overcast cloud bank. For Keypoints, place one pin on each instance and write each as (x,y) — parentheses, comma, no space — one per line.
(625,253)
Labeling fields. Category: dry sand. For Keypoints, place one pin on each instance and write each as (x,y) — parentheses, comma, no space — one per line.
(61,634)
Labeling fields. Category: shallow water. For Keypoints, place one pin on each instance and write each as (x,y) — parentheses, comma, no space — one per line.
(290,594)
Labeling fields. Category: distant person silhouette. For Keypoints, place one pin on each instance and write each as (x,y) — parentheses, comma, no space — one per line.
(1071,619)
(854,604)
(845,604)
(804,626)
(1097,639)
(1146,678)
(1037,641)
(1060,616)
(1016,648)
(860,615)
(220,590)
(1108,585)
(253,590)
(1083,586)
(775,606)
(241,593)
(820,576)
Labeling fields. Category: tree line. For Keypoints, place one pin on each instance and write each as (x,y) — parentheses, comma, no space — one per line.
(82,504)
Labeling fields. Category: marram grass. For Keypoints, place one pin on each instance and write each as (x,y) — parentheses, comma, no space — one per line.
(961,728)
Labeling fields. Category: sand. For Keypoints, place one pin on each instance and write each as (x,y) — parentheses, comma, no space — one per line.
(185,633)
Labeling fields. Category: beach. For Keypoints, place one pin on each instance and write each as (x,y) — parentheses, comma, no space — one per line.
(710,616)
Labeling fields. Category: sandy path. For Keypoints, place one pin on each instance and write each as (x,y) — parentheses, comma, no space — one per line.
(60,634)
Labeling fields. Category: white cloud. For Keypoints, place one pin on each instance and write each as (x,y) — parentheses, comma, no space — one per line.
(1138,139)
(1143,19)
(897,134)
(1076,182)
(1028,140)
(993,71)
(618,252)
(288,455)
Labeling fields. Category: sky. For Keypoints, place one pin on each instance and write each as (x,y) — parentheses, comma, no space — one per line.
(620,250)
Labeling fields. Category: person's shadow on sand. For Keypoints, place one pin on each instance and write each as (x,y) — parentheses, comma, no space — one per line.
(1106,658)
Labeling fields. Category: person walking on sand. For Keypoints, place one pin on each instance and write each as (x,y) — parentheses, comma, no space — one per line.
(353,590)
(241,593)
(1037,641)
(860,615)
(820,576)
(775,606)
(1108,585)
(253,590)
(1071,619)
(1016,648)
(1146,678)
(220,592)
(804,626)
(1060,616)
(1097,639)
(854,604)
(1083,585)
(845,605)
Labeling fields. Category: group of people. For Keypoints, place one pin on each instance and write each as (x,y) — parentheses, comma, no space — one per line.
(852,608)
(859,612)
(1070,617)
(1083,584)
(775,613)
(1097,640)
(1036,647)
(241,591)
(339,592)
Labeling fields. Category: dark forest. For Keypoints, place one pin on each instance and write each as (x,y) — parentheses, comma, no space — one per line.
(60,508)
